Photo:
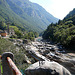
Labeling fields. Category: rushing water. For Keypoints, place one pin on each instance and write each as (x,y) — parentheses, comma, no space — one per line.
(39,39)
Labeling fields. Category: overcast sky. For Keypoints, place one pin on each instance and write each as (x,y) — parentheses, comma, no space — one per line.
(58,8)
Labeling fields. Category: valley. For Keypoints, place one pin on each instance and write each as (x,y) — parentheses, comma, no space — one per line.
(35,37)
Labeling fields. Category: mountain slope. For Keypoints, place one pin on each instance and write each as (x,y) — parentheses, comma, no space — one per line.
(71,14)
(29,15)
(63,32)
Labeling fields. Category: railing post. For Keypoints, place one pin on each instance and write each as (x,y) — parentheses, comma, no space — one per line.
(6,68)
(9,68)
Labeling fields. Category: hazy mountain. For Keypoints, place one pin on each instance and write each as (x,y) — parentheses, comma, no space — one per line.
(26,14)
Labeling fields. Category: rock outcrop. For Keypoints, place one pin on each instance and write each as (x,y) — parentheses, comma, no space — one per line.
(46,68)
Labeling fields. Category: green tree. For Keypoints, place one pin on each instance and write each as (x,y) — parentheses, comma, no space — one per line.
(2,25)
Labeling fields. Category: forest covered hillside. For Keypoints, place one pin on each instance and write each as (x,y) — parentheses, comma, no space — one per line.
(25,14)
(62,32)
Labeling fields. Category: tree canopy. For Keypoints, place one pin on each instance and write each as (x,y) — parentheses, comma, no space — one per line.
(62,32)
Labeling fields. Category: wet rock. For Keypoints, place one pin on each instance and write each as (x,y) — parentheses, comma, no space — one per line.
(25,41)
(12,40)
(70,65)
(57,53)
(19,40)
(46,52)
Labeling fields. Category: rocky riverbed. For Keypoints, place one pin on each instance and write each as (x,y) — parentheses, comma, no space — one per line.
(53,52)
(47,51)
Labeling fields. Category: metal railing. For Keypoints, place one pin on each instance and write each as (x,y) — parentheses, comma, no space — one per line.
(8,67)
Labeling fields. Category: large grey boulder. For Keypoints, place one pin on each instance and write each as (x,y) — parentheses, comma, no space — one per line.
(46,68)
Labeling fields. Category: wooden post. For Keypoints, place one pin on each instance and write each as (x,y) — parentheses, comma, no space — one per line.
(6,69)
(9,68)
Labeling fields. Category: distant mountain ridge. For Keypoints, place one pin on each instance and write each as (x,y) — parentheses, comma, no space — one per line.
(26,14)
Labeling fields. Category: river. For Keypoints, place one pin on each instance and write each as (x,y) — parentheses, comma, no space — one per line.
(43,50)
(56,53)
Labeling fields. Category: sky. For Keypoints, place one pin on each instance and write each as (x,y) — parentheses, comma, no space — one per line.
(58,8)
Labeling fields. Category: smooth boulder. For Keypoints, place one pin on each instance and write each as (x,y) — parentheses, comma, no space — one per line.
(46,68)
